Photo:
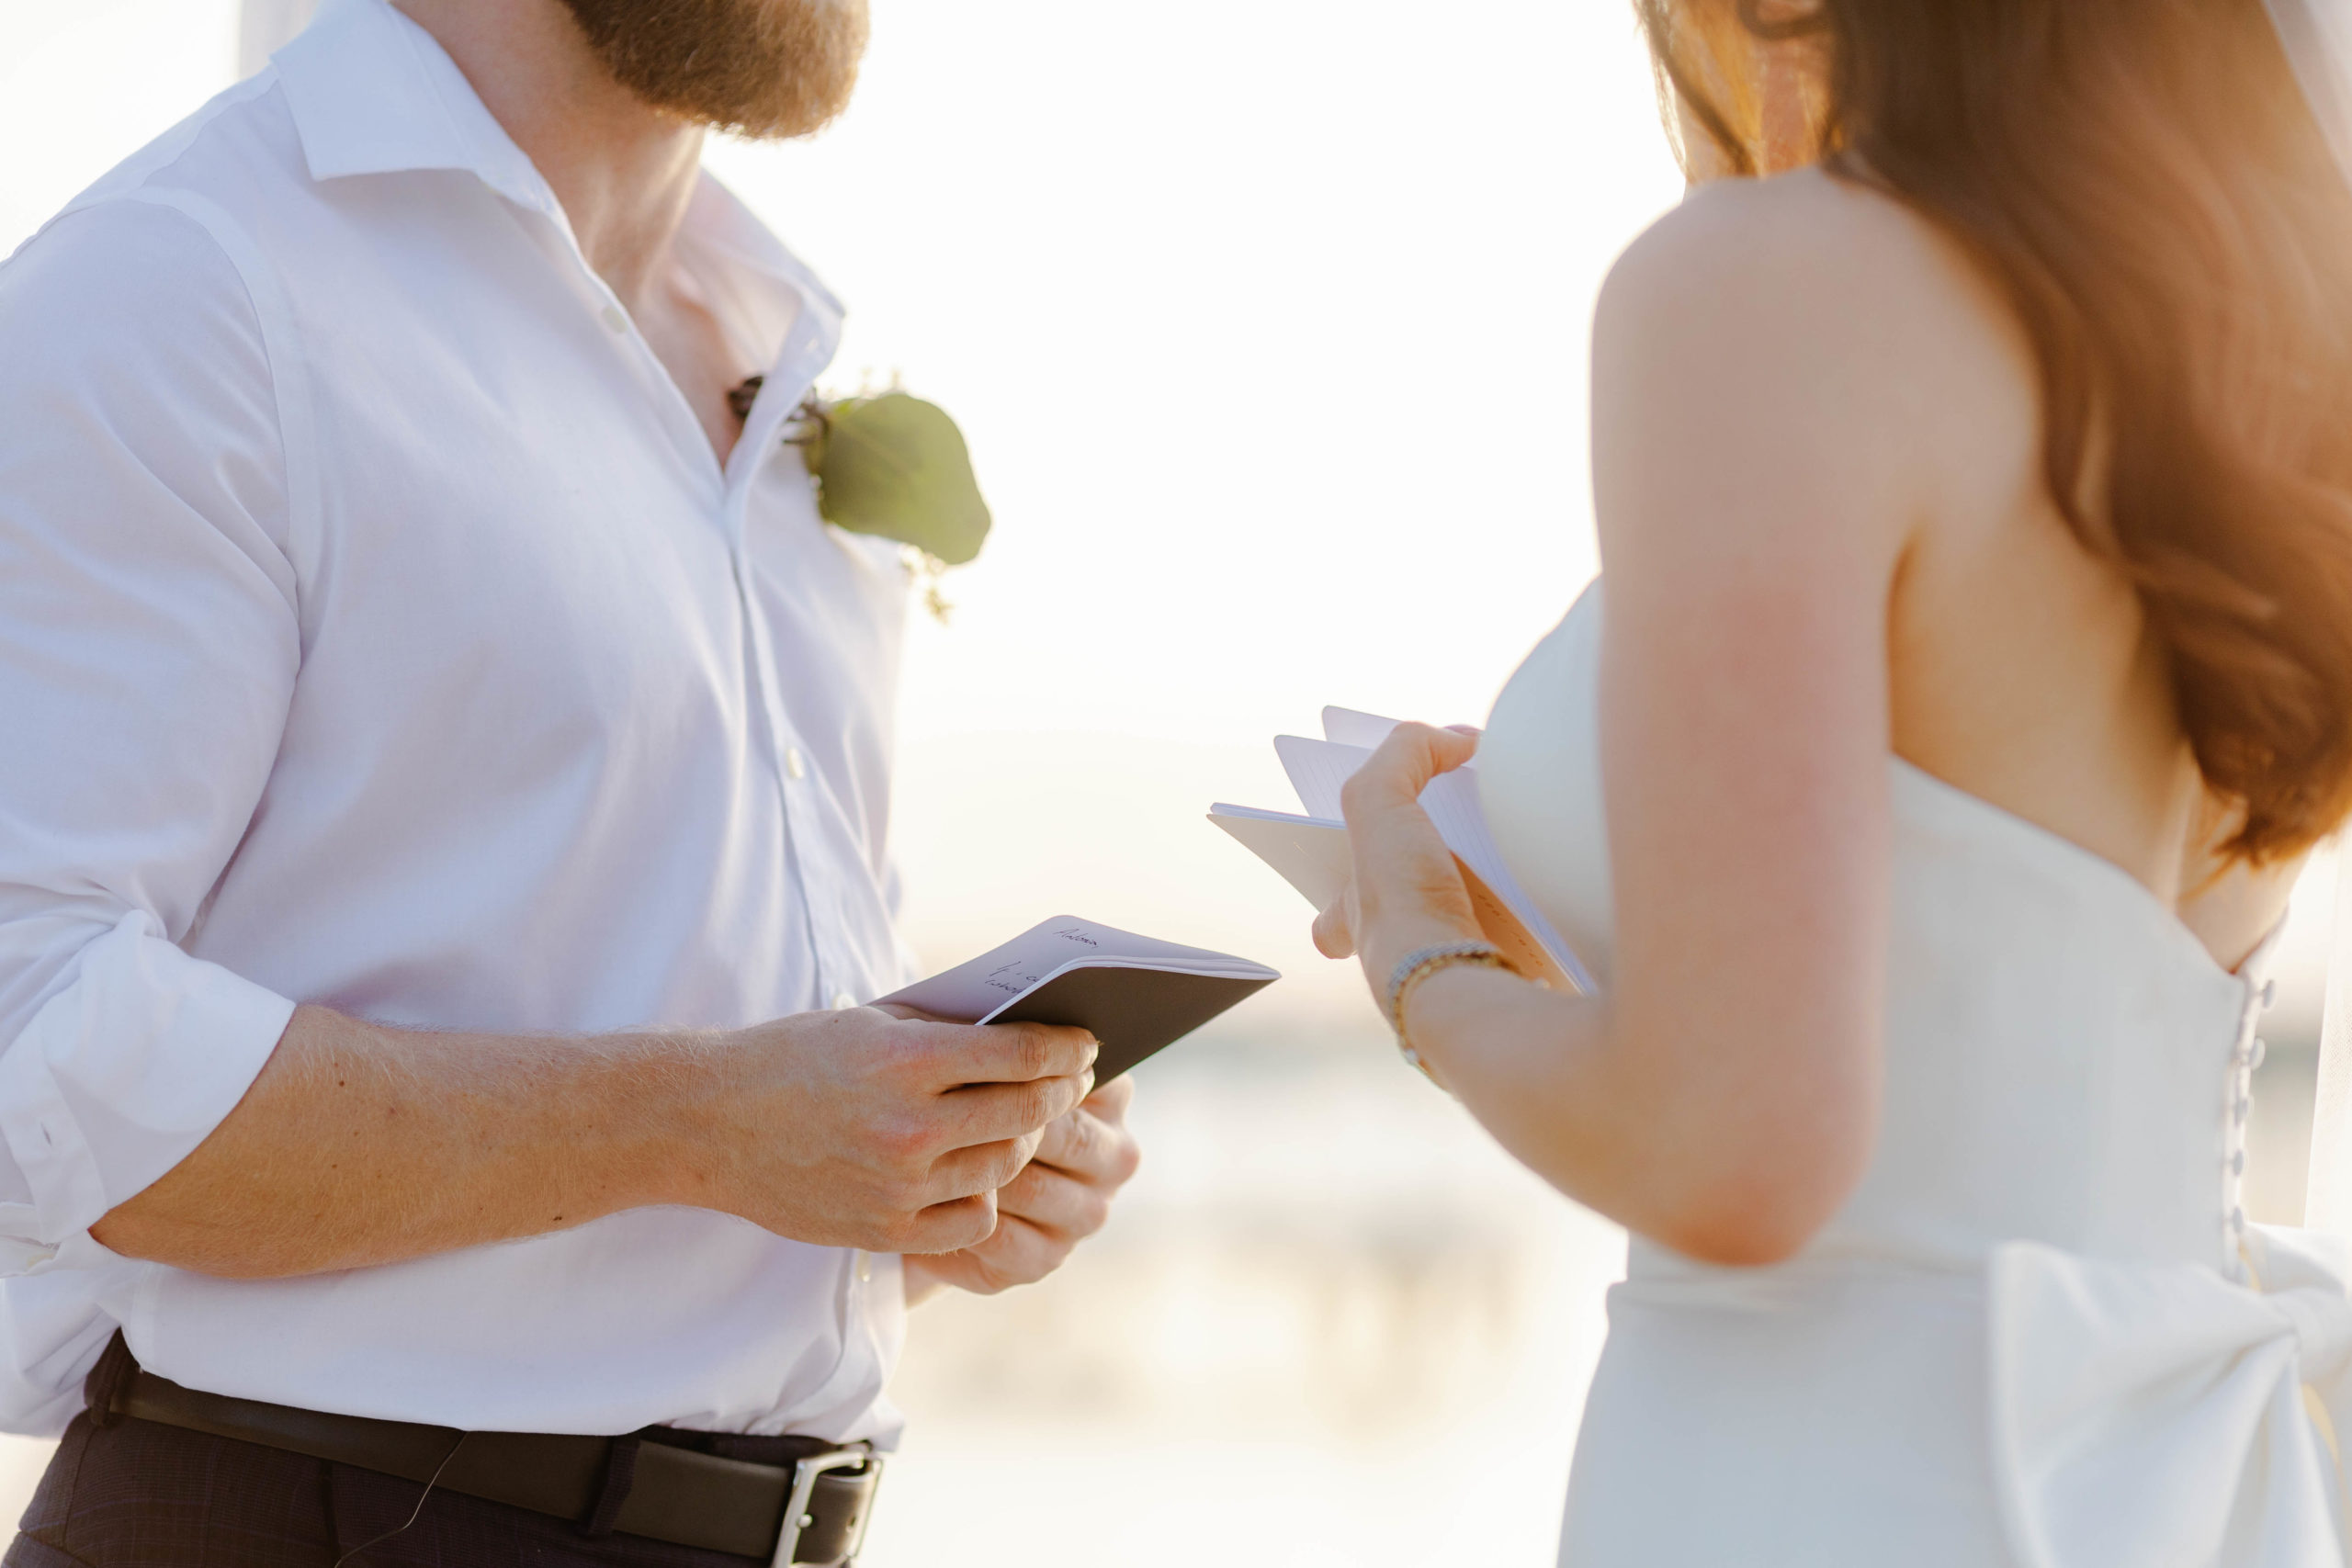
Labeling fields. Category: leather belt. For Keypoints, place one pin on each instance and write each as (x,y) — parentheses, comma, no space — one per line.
(815,1513)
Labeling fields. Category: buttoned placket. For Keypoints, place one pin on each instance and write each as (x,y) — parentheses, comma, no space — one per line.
(809,346)
(2246,1054)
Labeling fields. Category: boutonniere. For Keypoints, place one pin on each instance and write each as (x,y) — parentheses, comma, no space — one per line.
(895,467)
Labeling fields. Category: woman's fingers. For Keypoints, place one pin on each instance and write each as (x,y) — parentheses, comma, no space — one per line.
(1394,840)
(1335,927)
(1398,773)
(1408,888)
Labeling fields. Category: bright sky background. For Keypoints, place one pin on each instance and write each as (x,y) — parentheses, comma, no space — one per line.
(1267,321)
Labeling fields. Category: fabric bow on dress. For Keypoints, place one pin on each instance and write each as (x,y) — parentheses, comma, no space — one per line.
(2164,1416)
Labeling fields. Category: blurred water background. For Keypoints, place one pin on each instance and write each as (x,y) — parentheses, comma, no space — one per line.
(1267,321)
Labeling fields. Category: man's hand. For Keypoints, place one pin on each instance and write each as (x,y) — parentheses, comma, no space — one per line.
(1063,1197)
(874,1129)
(361,1145)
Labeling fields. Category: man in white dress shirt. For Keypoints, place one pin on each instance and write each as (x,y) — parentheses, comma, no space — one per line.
(442,817)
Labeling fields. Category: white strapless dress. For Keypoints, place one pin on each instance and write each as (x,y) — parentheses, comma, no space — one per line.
(2041,1333)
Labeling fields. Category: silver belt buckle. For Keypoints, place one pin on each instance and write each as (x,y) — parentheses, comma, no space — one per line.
(796,1517)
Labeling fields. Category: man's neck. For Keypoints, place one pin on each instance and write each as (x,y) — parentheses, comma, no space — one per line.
(624,172)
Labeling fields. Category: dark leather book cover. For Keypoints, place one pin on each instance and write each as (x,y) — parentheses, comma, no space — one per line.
(1134,1012)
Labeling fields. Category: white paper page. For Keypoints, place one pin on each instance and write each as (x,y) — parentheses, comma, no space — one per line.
(1258,814)
(1319,769)
(1350,728)
(1310,854)
(981,987)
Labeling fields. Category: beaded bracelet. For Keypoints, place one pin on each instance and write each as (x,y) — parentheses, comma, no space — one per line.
(1418,966)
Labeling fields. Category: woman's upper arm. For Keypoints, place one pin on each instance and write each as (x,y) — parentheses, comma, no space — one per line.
(1756,490)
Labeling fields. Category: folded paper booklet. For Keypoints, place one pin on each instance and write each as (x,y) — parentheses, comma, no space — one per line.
(1137,995)
(1311,851)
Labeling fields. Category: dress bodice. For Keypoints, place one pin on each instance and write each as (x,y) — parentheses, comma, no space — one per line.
(2065,1062)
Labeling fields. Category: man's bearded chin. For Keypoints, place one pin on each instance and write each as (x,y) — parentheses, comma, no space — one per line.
(760,68)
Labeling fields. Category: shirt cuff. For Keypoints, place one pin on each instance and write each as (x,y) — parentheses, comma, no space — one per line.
(117,1078)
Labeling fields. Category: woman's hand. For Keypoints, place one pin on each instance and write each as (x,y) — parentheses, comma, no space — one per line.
(1062,1197)
(1407,891)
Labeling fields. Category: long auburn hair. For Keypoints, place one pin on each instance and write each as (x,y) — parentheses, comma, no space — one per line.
(2146,184)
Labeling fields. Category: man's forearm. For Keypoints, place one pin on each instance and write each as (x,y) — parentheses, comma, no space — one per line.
(361,1145)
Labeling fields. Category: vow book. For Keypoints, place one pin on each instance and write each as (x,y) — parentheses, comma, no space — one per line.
(1137,995)
(1311,851)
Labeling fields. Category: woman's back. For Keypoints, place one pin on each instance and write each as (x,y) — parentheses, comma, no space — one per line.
(2018,664)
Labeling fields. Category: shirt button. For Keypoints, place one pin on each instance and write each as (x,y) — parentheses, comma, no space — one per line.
(615,318)
(796,767)
(864,1268)
(843,1001)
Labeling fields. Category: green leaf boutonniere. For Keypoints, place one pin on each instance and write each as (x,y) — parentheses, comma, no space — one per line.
(897,467)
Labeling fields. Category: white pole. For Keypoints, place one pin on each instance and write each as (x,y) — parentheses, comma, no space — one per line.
(266,25)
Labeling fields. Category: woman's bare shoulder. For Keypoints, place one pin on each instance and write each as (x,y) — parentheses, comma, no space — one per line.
(1804,239)
(1811,303)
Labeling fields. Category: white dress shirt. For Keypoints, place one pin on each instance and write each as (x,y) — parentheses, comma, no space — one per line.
(379,629)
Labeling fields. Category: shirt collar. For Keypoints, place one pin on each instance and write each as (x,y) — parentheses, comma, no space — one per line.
(372,93)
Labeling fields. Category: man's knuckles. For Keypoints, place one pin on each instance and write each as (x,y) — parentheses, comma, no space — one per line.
(1112,1101)
(982,1168)
(1124,1155)
(1034,1107)
(1061,1204)
(1037,1053)
(1015,1256)
(1092,1149)
(909,1145)
(1083,1213)
(950,1227)
(1062,1052)
(1002,1164)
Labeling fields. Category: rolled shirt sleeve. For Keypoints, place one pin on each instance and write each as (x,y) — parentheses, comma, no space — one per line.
(149,637)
